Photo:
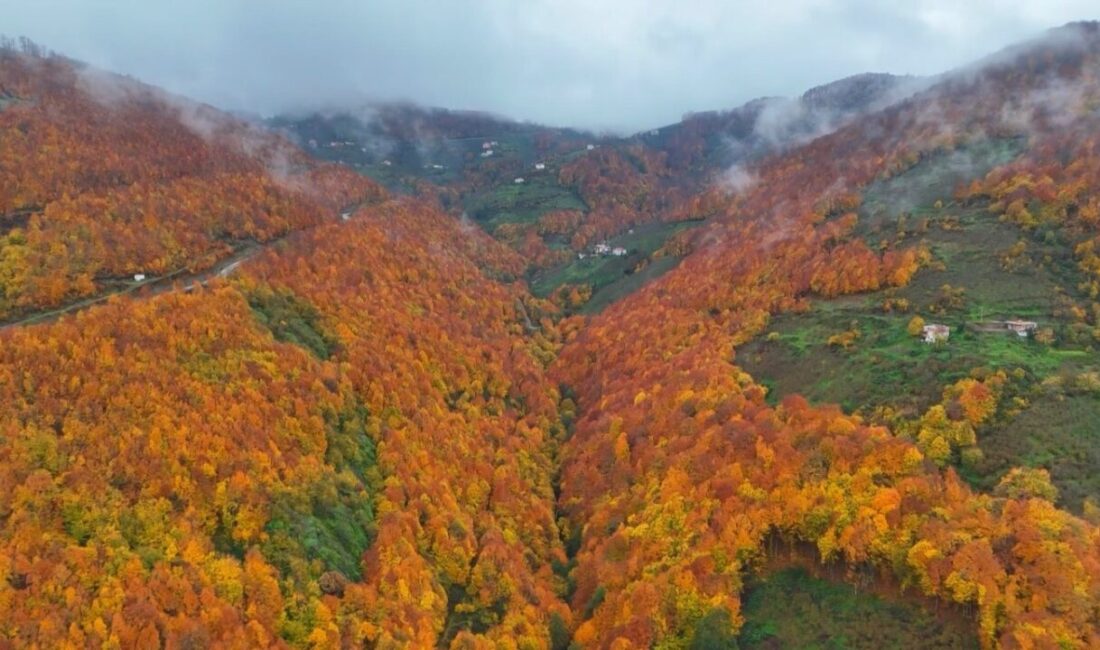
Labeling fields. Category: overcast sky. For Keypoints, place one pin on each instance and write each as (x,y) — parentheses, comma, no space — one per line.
(603,64)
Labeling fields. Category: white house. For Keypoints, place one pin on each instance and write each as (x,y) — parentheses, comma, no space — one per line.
(935,333)
(139,277)
(1022,327)
(519,181)
(345,216)
(590,147)
(486,153)
(386,163)
(618,251)
(602,249)
(486,145)
(437,166)
(540,166)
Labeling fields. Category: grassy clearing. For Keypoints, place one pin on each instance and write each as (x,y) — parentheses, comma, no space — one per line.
(1061,434)
(521,203)
(887,365)
(291,320)
(610,277)
(935,178)
(792,609)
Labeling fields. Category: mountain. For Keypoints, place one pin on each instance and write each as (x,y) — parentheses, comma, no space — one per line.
(554,194)
(399,143)
(706,141)
(155,185)
(373,431)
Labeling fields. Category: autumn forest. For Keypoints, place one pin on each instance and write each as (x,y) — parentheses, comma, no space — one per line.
(261,386)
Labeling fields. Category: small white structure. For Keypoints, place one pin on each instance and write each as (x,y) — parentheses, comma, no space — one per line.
(493,142)
(486,145)
(519,181)
(344,216)
(386,163)
(581,256)
(602,249)
(618,251)
(486,153)
(590,147)
(1023,328)
(437,166)
(935,333)
(312,143)
(654,132)
(139,277)
(540,166)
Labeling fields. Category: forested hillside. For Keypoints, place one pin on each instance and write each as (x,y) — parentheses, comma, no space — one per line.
(426,421)
(102,178)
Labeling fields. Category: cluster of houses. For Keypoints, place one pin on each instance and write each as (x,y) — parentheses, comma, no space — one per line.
(937,333)
(603,250)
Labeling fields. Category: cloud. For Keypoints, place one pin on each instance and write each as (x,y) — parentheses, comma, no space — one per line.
(737,179)
(617,64)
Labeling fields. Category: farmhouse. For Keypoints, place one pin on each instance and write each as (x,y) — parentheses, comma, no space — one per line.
(139,277)
(602,249)
(540,166)
(618,251)
(935,333)
(590,147)
(1023,328)
(486,153)
(486,145)
(519,180)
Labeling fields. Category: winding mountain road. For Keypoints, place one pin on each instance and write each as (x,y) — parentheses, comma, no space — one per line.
(178,280)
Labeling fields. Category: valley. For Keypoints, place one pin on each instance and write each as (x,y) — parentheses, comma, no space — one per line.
(825,381)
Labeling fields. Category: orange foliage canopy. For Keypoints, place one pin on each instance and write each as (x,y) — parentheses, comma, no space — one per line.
(102,177)
(150,446)
(678,470)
